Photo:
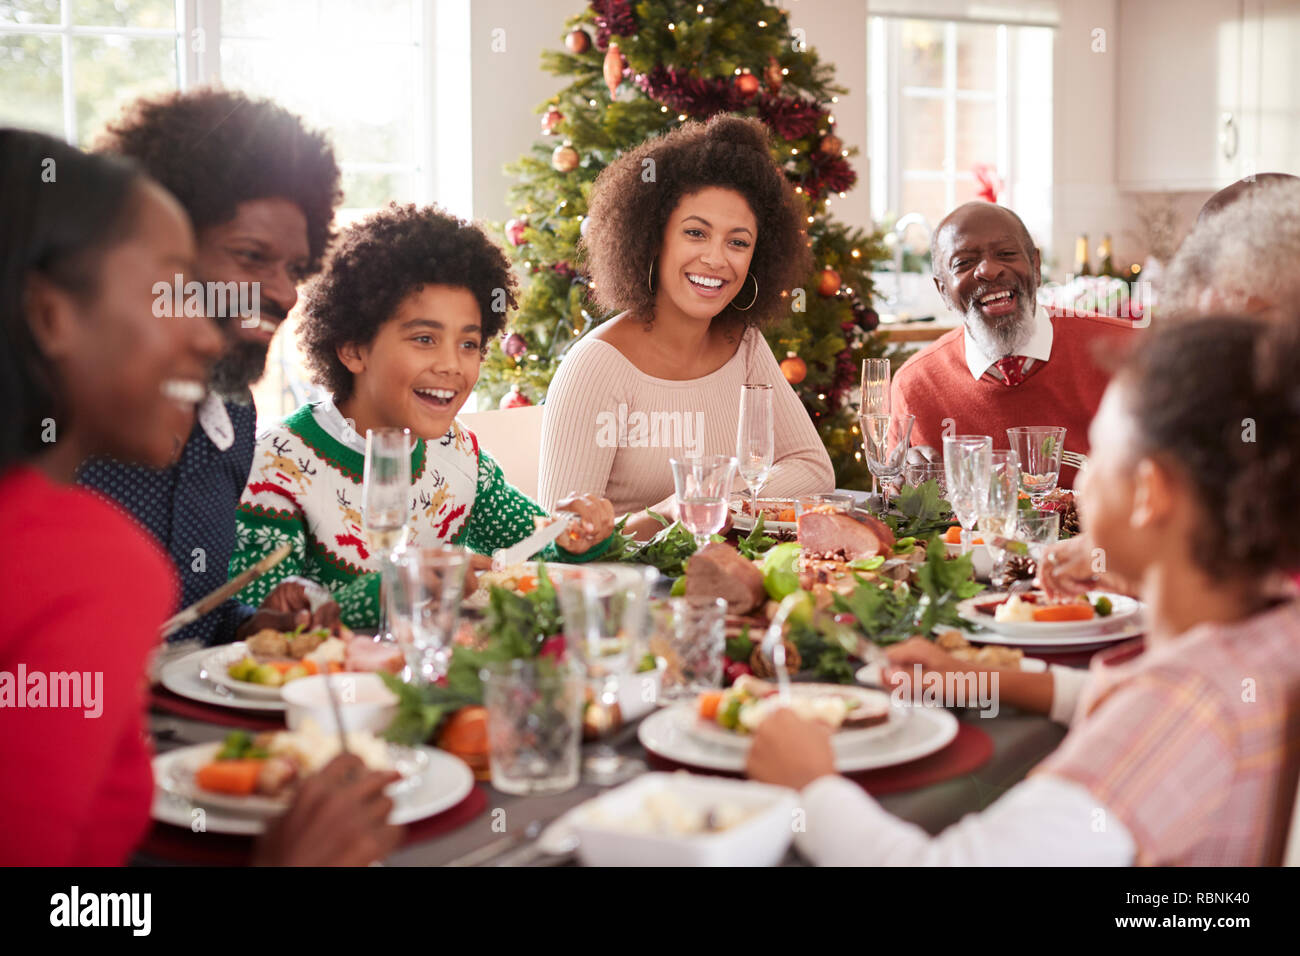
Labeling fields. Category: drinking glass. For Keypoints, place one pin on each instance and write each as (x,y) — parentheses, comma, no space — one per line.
(385,501)
(885,460)
(875,394)
(966,462)
(755,445)
(690,634)
(918,473)
(606,610)
(1039,448)
(1039,530)
(703,486)
(998,518)
(424,593)
(841,503)
(534,725)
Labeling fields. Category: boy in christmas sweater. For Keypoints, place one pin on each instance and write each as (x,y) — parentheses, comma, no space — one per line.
(395,328)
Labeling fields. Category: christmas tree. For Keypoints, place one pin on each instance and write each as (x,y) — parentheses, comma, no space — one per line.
(638,71)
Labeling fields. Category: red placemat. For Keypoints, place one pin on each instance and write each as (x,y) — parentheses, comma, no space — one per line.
(162,699)
(968,751)
(179,845)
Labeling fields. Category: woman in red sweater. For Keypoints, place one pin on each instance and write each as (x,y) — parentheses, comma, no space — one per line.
(88,368)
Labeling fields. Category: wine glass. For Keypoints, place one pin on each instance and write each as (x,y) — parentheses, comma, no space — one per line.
(918,473)
(385,501)
(885,460)
(755,446)
(998,517)
(703,486)
(1039,530)
(424,593)
(606,609)
(966,461)
(1039,448)
(875,394)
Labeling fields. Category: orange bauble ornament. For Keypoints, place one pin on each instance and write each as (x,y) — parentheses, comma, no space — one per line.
(794,368)
(829,282)
(613,69)
(565,158)
(831,145)
(578,42)
(747,84)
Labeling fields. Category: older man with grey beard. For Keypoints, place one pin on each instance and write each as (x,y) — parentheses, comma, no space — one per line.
(1011,363)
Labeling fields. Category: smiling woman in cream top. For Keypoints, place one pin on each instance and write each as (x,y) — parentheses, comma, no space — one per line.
(696,256)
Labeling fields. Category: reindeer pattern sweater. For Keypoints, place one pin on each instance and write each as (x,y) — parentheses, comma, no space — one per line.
(305,489)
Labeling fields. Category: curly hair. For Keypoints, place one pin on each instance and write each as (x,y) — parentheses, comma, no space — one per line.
(629,215)
(1235,436)
(214,149)
(381,260)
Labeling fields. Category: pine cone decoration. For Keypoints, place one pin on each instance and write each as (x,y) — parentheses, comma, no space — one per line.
(1063,503)
(1018,567)
(763,667)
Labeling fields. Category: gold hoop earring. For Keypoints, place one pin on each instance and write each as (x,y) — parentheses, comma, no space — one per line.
(748,275)
(649,279)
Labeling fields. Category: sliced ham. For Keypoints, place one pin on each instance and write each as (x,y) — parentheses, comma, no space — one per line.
(718,570)
(825,534)
(367,654)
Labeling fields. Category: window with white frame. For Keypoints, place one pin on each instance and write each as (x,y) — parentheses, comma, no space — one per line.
(951,98)
(361,69)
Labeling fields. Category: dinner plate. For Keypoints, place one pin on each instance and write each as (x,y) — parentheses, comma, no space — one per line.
(1060,645)
(670,734)
(218,659)
(712,732)
(1124,612)
(442,782)
(184,677)
(745,522)
(869,674)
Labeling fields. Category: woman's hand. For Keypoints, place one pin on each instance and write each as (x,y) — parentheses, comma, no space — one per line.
(790,751)
(1069,568)
(338,818)
(595,522)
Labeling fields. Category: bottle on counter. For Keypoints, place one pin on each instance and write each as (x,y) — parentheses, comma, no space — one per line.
(1081,267)
(1107,265)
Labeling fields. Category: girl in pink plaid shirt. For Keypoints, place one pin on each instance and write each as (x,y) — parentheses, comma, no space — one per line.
(1186,752)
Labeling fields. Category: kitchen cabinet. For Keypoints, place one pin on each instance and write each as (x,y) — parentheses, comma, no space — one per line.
(1208,92)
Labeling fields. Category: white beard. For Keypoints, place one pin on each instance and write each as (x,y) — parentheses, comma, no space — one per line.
(1001,341)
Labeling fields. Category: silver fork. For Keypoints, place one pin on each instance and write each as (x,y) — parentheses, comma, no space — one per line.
(774,647)
(1073,459)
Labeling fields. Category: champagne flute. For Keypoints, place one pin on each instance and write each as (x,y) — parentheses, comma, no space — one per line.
(875,395)
(966,461)
(998,518)
(885,461)
(755,445)
(703,486)
(1039,448)
(386,501)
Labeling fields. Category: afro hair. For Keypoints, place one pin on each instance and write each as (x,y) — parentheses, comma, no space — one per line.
(381,260)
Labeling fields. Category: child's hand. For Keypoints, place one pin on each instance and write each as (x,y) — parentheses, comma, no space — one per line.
(790,751)
(904,657)
(595,522)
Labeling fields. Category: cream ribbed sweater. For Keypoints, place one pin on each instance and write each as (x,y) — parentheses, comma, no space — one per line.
(608,428)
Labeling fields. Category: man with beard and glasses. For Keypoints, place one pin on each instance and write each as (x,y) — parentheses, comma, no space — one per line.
(1012,363)
(260,190)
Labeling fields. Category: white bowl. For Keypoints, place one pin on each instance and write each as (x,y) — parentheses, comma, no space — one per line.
(760,840)
(638,694)
(364,702)
(981,559)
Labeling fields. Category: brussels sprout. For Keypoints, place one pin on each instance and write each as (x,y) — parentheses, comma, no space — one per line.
(779,576)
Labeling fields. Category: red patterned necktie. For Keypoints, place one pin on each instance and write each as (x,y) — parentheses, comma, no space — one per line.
(1012,368)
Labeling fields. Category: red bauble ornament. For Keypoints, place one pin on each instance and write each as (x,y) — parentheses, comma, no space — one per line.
(565,159)
(578,42)
(869,320)
(772,74)
(613,68)
(550,120)
(829,282)
(514,345)
(515,231)
(514,399)
(831,145)
(794,368)
(747,84)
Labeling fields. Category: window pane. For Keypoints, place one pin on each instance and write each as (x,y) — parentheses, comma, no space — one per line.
(111,71)
(921,125)
(921,53)
(284,18)
(374,20)
(927,198)
(31,84)
(977,57)
(368,111)
(29,11)
(144,14)
(366,190)
(977,134)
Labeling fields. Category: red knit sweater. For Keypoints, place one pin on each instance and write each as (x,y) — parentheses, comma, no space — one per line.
(935,385)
